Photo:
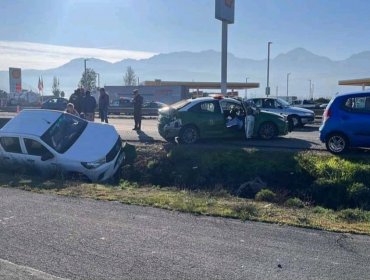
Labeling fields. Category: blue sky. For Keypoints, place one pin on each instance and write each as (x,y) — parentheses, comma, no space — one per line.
(333,28)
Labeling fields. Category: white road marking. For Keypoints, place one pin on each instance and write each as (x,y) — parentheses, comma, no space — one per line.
(9,270)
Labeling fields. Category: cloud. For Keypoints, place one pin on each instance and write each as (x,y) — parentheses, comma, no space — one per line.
(27,55)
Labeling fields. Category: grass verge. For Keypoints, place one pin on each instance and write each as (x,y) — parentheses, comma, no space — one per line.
(205,203)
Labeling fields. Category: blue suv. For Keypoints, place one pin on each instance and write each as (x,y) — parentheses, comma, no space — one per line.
(346,122)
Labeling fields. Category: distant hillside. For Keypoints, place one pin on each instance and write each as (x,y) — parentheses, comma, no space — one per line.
(206,66)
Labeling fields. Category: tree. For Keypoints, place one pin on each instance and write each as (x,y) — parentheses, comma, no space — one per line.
(3,94)
(55,87)
(130,78)
(90,82)
(322,100)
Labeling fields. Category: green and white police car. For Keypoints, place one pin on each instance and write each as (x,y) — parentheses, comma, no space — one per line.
(207,117)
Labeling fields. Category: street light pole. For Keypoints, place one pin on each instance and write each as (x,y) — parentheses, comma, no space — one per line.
(310,89)
(98,80)
(268,69)
(246,88)
(287,85)
(224,59)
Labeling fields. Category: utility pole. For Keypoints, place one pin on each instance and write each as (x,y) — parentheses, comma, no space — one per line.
(287,85)
(268,69)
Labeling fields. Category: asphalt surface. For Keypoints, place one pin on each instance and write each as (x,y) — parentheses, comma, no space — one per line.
(306,138)
(77,238)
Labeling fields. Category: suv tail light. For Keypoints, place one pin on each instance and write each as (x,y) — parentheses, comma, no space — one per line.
(326,115)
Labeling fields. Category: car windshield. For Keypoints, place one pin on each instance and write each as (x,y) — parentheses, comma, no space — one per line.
(180,104)
(64,132)
(282,102)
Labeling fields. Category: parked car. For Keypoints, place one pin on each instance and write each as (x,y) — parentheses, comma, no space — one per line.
(206,117)
(47,142)
(57,103)
(152,107)
(121,106)
(297,117)
(304,103)
(346,122)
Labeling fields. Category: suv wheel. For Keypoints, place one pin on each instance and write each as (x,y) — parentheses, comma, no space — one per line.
(188,135)
(336,143)
(267,130)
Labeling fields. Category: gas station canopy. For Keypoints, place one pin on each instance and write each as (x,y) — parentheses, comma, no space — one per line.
(202,85)
(356,82)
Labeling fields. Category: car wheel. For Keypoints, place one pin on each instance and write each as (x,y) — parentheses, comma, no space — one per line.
(170,139)
(337,143)
(188,135)
(267,130)
(296,121)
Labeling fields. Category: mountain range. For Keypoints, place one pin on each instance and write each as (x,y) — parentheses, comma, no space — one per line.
(305,68)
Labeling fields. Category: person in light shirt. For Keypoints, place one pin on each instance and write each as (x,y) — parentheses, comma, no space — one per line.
(71,110)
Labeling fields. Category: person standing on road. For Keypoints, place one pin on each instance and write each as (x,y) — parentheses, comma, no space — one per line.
(249,120)
(76,100)
(89,106)
(103,105)
(138,104)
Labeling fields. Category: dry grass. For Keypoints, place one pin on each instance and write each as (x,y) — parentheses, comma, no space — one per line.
(214,204)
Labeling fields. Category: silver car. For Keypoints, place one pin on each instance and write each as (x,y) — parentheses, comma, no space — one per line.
(298,117)
(48,142)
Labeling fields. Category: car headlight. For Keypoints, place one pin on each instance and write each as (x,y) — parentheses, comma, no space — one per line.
(308,114)
(94,164)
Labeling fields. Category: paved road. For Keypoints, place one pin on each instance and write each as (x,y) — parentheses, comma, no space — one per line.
(306,138)
(302,138)
(84,239)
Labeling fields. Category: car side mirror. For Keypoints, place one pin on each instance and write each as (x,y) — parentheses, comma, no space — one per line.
(47,156)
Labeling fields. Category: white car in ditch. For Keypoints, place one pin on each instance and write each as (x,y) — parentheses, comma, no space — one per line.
(46,142)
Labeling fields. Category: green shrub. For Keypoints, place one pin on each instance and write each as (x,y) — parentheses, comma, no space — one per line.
(246,211)
(294,203)
(266,195)
(329,193)
(321,210)
(329,181)
(334,168)
(359,195)
(353,215)
(124,184)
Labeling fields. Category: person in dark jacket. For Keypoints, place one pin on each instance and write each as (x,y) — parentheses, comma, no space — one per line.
(138,104)
(103,105)
(89,106)
(76,100)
